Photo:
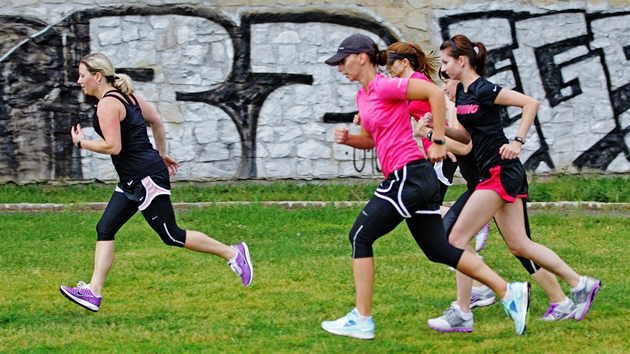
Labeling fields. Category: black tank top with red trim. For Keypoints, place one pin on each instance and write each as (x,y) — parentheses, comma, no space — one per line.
(137,158)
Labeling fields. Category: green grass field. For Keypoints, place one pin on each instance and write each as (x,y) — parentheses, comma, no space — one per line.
(160,299)
(615,189)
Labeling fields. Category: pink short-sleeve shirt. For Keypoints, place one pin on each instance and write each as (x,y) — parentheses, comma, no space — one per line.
(385,115)
(417,109)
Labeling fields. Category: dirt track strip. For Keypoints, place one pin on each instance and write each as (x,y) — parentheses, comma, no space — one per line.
(552,206)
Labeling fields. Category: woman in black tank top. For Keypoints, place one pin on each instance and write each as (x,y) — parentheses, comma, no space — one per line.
(144,177)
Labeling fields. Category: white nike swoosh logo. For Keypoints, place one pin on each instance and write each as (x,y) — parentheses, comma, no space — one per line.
(153,218)
(130,182)
(494,89)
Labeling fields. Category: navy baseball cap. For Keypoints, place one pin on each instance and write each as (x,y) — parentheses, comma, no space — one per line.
(355,44)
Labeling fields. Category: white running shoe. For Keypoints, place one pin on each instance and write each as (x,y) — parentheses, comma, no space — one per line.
(517,305)
(452,321)
(350,326)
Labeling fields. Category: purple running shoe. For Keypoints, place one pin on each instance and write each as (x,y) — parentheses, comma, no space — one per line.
(241,264)
(82,295)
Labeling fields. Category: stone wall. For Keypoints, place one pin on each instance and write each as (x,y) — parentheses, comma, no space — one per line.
(244,92)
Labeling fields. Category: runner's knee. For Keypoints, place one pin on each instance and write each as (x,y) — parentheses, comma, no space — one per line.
(103,233)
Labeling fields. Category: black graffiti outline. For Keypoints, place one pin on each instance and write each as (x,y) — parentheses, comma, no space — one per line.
(241,96)
(600,154)
(497,55)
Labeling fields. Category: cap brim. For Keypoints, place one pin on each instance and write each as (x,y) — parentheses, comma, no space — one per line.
(336,59)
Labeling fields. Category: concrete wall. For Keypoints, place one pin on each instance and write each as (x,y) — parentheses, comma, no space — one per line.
(244,91)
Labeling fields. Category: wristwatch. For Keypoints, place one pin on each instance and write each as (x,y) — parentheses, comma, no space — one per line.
(439,141)
(520,140)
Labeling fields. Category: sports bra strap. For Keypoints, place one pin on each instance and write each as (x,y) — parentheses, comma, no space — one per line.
(131,98)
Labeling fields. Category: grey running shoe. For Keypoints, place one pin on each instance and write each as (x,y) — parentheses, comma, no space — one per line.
(452,321)
(481,296)
(556,312)
(82,295)
(583,299)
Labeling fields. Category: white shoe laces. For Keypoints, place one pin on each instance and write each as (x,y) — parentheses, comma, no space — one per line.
(234,265)
(82,285)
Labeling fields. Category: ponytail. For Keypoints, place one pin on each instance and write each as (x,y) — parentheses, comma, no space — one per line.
(480,58)
(426,64)
(381,58)
(124,83)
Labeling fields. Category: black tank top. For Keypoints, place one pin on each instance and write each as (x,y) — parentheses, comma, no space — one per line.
(137,158)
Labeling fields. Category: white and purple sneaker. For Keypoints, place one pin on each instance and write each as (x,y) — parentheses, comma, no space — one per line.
(82,295)
(583,298)
(241,264)
(452,321)
(557,312)
(481,296)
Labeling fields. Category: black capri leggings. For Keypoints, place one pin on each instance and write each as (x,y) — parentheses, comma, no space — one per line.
(380,217)
(159,214)
(453,213)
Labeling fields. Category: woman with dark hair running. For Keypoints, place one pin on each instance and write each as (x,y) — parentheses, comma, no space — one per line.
(502,189)
(411,189)
(561,307)
(143,173)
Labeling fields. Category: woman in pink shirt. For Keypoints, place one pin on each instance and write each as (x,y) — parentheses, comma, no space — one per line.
(410,191)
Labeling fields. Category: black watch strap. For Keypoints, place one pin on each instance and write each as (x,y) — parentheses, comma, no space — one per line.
(520,140)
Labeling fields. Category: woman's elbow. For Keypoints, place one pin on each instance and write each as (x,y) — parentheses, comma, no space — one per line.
(534,104)
(114,150)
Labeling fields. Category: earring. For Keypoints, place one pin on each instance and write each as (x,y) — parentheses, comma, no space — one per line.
(98,82)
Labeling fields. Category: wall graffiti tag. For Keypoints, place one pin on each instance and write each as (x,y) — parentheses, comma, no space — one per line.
(577,63)
(39,99)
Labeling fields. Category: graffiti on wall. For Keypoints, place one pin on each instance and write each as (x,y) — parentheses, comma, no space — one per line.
(581,76)
(577,65)
(39,99)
